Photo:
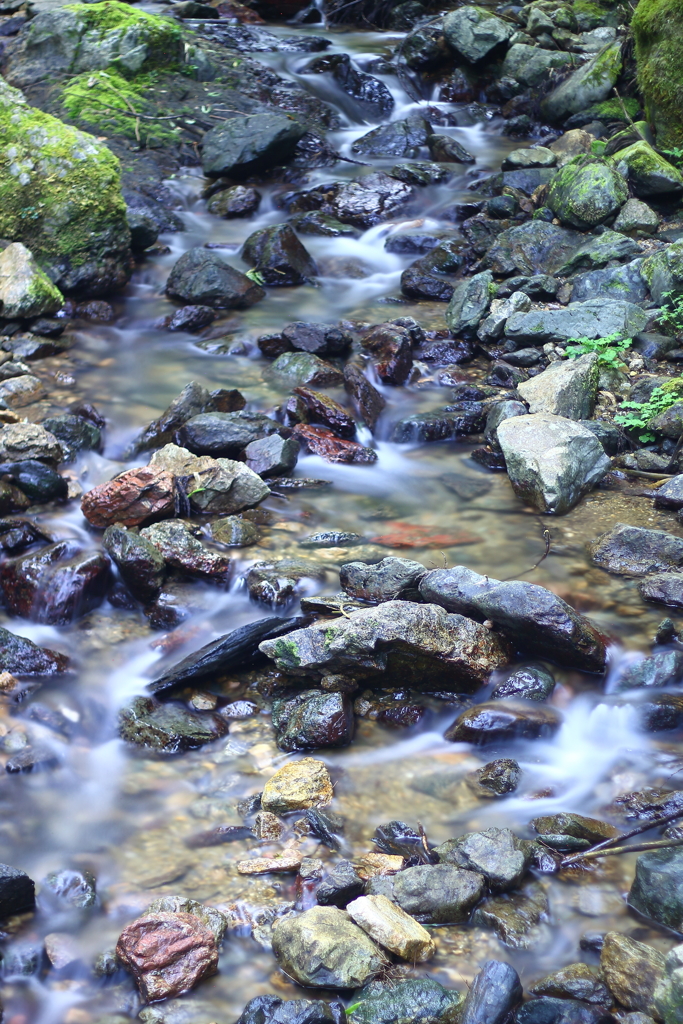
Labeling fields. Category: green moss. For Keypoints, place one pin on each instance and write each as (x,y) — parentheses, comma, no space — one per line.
(658,32)
(111,16)
(287,652)
(106,101)
(605,65)
(612,110)
(132,39)
(60,190)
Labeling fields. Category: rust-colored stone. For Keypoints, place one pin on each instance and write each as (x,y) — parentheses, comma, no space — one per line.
(167,953)
(134,497)
(392,351)
(323,409)
(332,448)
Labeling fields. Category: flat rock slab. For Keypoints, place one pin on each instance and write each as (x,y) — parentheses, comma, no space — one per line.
(635,551)
(392,928)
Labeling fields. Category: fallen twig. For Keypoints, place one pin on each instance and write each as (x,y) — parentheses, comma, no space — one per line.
(637,831)
(659,844)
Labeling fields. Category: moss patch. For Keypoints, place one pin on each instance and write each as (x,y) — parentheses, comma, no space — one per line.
(658,31)
(612,110)
(108,101)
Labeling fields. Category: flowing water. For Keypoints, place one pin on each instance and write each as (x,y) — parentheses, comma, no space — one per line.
(126,817)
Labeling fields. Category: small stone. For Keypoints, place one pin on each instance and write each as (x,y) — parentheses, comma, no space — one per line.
(495,853)
(373,865)
(130,499)
(577,825)
(268,826)
(21,441)
(631,970)
(61,950)
(167,953)
(272,456)
(575,981)
(495,779)
(529,683)
(296,786)
(431,893)
(493,994)
(304,368)
(514,916)
(500,721)
(282,863)
(340,886)
(392,928)
(168,728)
(235,532)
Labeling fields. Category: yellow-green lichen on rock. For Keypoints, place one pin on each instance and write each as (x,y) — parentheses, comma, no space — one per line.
(106,101)
(657,27)
(60,195)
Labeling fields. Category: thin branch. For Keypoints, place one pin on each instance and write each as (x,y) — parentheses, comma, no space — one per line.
(637,831)
(659,844)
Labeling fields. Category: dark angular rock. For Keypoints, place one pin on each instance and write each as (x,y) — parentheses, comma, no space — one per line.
(503,721)
(397,138)
(340,886)
(562,1011)
(670,494)
(168,728)
(17,892)
(21,657)
(236,201)
(657,890)
(192,400)
(202,277)
(662,669)
(445,149)
(141,565)
(529,683)
(514,917)
(387,580)
(272,456)
(440,425)
(493,994)
(497,778)
(305,368)
(56,584)
(367,400)
(661,713)
(249,143)
(17,534)
(311,719)
(635,551)
(75,434)
(432,893)
(37,481)
(191,318)
(369,94)
(420,172)
(279,257)
(273,1010)
(392,351)
(575,981)
(224,434)
(323,409)
(320,339)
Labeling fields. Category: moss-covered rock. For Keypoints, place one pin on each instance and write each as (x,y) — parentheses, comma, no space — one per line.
(663,271)
(60,196)
(648,173)
(25,290)
(586,191)
(658,31)
(592,83)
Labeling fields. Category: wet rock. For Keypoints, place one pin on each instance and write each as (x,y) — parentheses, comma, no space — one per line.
(495,779)
(272,456)
(569,824)
(74,433)
(503,721)
(595,318)
(586,191)
(663,588)
(514,917)
(528,683)
(320,339)
(140,564)
(192,400)
(323,409)
(591,83)
(34,756)
(56,584)
(236,201)
(25,290)
(432,893)
(191,318)
(657,890)
(473,32)
(168,728)
(662,669)
(273,1010)
(224,433)
(21,441)
(167,953)
(670,494)
(575,981)
(409,999)
(567,388)
(203,278)
(211,918)
(369,94)
(340,886)
(311,719)
(495,853)
(332,539)
(611,283)
(297,786)
(387,580)
(40,483)
(211,485)
(470,303)
(420,172)
(316,223)
(445,149)
(660,713)
(279,257)
(397,138)
(392,351)
(533,248)
(246,144)
(17,534)
(631,971)
(331,448)
(667,1000)
(562,1011)
(323,948)
(132,498)
(20,656)
(647,172)
(635,551)
(17,892)
(365,202)
(180,549)
(531,65)
(71,888)
(551,461)
(304,368)
(532,617)
(275,583)
(398,636)
(493,994)
(451,422)
(392,928)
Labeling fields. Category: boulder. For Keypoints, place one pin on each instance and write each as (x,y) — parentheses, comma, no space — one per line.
(56,584)
(551,461)
(591,83)
(224,433)
(596,318)
(180,549)
(586,191)
(657,890)
(631,971)
(567,388)
(25,290)
(473,32)
(493,995)
(470,303)
(419,641)
(323,948)
(495,853)
(140,564)
(387,580)
(305,368)
(21,657)
(533,66)
(625,282)
(407,999)
(663,588)
(203,277)
(167,953)
(309,719)
(297,786)
(279,257)
(432,893)
(535,247)
(211,485)
(367,201)
(397,138)
(636,551)
(247,144)
(392,928)
(70,180)
(647,172)
(503,721)
(532,617)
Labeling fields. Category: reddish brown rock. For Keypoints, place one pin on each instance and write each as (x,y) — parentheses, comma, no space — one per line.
(323,409)
(332,448)
(367,400)
(167,953)
(391,348)
(134,497)
(56,584)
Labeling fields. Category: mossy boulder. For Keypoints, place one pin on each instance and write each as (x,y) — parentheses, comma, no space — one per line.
(586,191)
(648,173)
(658,32)
(663,271)
(60,196)
(25,290)
(591,83)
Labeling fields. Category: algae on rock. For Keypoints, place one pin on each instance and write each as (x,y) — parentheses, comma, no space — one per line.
(657,27)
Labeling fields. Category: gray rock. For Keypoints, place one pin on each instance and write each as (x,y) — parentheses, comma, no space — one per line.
(397,138)
(575,981)
(596,318)
(637,217)
(341,885)
(514,917)
(23,441)
(311,719)
(533,248)
(663,271)
(235,532)
(473,32)
(668,994)
(597,250)
(225,433)
(141,565)
(663,588)
(591,83)
(168,728)
(631,970)
(192,400)
(636,551)
(299,368)
(567,388)
(586,191)
(493,326)
(178,547)
(202,277)
(503,721)
(236,201)
(670,494)
(246,144)
(320,339)
(592,830)
(495,853)
(275,583)
(669,423)
(213,485)
(546,1010)
(529,683)
(493,994)
(448,150)
(420,1000)
(470,302)
(531,65)
(551,461)
(432,893)
(272,456)
(419,641)
(388,580)
(323,948)
(279,257)
(657,890)
(623,282)
(662,669)
(532,617)
(498,413)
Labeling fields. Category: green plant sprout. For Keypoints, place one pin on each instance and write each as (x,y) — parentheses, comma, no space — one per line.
(608,349)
